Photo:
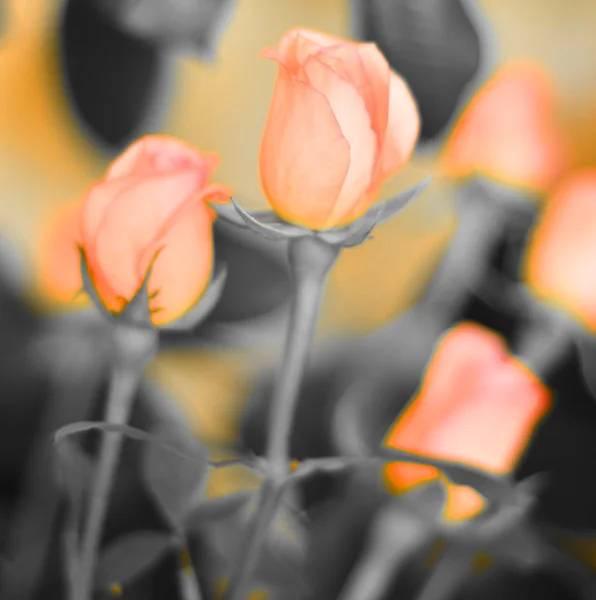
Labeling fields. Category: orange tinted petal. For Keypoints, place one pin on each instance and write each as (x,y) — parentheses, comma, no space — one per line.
(60,268)
(183,268)
(350,111)
(161,154)
(402,128)
(477,405)
(132,223)
(304,157)
(559,263)
(378,75)
(509,131)
(462,503)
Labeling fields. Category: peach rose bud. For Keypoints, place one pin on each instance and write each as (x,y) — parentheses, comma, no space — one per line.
(148,217)
(509,132)
(559,261)
(339,124)
(477,405)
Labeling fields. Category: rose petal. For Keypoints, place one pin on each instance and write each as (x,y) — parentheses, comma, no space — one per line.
(559,264)
(353,118)
(304,156)
(477,405)
(402,128)
(183,267)
(378,74)
(131,224)
(157,154)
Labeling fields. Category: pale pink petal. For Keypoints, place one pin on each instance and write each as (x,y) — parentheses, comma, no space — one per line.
(132,223)
(402,128)
(350,111)
(160,154)
(304,156)
(97,203)
(129,161)
(378,74)
(183,267)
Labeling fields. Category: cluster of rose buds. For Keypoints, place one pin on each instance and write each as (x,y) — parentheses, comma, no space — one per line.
(340,124)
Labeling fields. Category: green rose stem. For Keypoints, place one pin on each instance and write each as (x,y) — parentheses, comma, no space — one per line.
(133,349)
(311,261)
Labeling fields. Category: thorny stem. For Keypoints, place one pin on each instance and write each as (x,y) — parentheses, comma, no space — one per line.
(133,350)
(311,261)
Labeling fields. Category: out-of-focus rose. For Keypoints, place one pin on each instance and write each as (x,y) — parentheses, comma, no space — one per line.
(150,210)
(477,405)
(340,123)
(559,261)
(509,132)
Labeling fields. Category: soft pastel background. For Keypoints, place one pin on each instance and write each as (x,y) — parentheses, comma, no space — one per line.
(45,160)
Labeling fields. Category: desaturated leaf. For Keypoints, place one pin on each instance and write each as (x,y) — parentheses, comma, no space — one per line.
(130,556)
(117,84)
(174,481)
(223,507)
(190,25)
(282,555)
(440,48)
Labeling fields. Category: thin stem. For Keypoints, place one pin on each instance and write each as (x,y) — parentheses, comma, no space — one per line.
(310,261)
(449,573)
(310,275)
(188,584)
(544,343)
(395,535)
(123,387)
(250,550)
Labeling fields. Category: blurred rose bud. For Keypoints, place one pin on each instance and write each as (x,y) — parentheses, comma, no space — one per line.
(559,261)
(186,24)
(340,123)
(509,132)
(150,210)
(438,46)
(477,405)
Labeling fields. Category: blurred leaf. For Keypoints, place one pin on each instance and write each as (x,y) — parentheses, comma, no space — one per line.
(116,83)
(130,556)
(438,46)
(282,556)
(194,25)
(222,507)
(174,481)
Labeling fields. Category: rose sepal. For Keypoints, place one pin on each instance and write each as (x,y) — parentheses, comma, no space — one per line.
(137,312)
(268,225)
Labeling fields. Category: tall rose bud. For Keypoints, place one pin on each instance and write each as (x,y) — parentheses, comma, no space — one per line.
(147,216)
(509,132)
(477,405)
(339,124)
(559,262)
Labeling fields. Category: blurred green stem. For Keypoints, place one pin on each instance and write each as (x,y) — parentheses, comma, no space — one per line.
(311,261)
(133,350)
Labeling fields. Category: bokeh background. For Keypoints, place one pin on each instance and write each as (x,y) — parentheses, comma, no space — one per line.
(49,155)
